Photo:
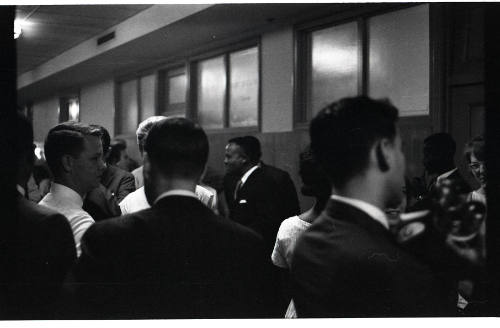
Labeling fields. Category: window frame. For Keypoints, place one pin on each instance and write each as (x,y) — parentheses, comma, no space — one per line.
(302,36)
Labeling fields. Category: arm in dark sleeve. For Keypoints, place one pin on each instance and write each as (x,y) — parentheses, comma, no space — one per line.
(127,185)
(101,204)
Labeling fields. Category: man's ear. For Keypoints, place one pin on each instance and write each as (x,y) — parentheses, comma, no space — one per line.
(67,162)
(382,154)
(147,167)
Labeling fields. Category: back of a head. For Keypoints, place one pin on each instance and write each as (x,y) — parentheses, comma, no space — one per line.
(115,151)
(143,129)
(343,133)
(177,147)
(477,147)
(66,139)
(315,182)
(250,146)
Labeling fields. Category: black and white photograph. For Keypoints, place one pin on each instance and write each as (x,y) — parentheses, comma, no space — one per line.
(219,160)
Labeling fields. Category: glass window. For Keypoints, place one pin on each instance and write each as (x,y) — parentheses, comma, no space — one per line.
(73,110)
(395,72)
(334,64)
(211,92)
(244,88)
(128,114)
(175,91)
(148,88)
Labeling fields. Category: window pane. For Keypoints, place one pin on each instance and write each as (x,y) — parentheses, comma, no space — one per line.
(176,94)
(147,96)
(334,61)
(211,92)
(127,122)
(243,102)
(395,71)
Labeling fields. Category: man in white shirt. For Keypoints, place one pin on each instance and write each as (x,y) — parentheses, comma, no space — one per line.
(74,154)
(348,263)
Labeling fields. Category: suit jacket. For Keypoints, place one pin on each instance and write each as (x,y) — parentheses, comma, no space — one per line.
(102,202)
(44,251)
(348,265)
(176,259)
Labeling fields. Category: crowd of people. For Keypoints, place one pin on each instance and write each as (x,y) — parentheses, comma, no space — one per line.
(106,238)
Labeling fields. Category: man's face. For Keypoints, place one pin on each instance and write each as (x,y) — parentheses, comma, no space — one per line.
(396,178)
(234,161)
(89,165)
(478,169)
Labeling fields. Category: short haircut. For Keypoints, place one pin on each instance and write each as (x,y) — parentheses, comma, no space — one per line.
(250,146)
(143,130)
(66,139)
(440,145)
(115,152)
(178,147)
(105,138)
(315,182)
(475,146)
(343,133)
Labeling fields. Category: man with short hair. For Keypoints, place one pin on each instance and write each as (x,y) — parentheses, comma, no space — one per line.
(136,200)
(176,259)
(74,155)
(43,246)
(347,264)
(102,202)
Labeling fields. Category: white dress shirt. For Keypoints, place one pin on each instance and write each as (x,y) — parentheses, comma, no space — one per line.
(69,203)
(374,212)
(136,201)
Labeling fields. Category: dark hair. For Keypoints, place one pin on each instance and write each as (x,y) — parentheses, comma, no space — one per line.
(178,147)
(250,146)
(343,133)
(115,152)
(66,139)
(440,145)
(475,146)
(315,182)
(105,138)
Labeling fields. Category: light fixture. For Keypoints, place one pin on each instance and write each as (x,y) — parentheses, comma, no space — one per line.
(17,28)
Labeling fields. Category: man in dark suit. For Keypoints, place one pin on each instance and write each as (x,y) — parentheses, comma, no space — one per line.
(176,259)
(102,202)
(347,264)
(438,160)
(43,243)
(259,196)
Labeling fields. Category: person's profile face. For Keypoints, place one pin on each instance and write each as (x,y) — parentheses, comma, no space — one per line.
(234,161)
(478,169)
(89,165)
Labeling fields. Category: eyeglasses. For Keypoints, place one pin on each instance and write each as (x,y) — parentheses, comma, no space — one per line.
(476,165)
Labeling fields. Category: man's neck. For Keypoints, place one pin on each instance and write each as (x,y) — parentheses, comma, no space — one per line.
(68,183)
(163,185)
(362,188)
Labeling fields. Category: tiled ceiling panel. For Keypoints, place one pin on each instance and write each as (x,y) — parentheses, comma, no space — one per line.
(50,30)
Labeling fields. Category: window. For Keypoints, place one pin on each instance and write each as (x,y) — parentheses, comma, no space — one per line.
(69,109)
(228,90)
(175,92)
(370,55)
(136,102)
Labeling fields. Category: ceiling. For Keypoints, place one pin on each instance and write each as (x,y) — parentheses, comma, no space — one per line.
(209,29)
(50,30)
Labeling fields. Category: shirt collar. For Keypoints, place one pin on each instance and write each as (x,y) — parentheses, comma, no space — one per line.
(245,176)
(21,190)
(373,211)
(60,191)
(176,192)
(445,175)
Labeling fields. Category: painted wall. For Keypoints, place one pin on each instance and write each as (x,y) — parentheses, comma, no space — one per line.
(277,80)
(97,105)
(45,117)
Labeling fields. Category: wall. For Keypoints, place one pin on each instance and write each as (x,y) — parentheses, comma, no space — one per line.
(45,117)
(97,105)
